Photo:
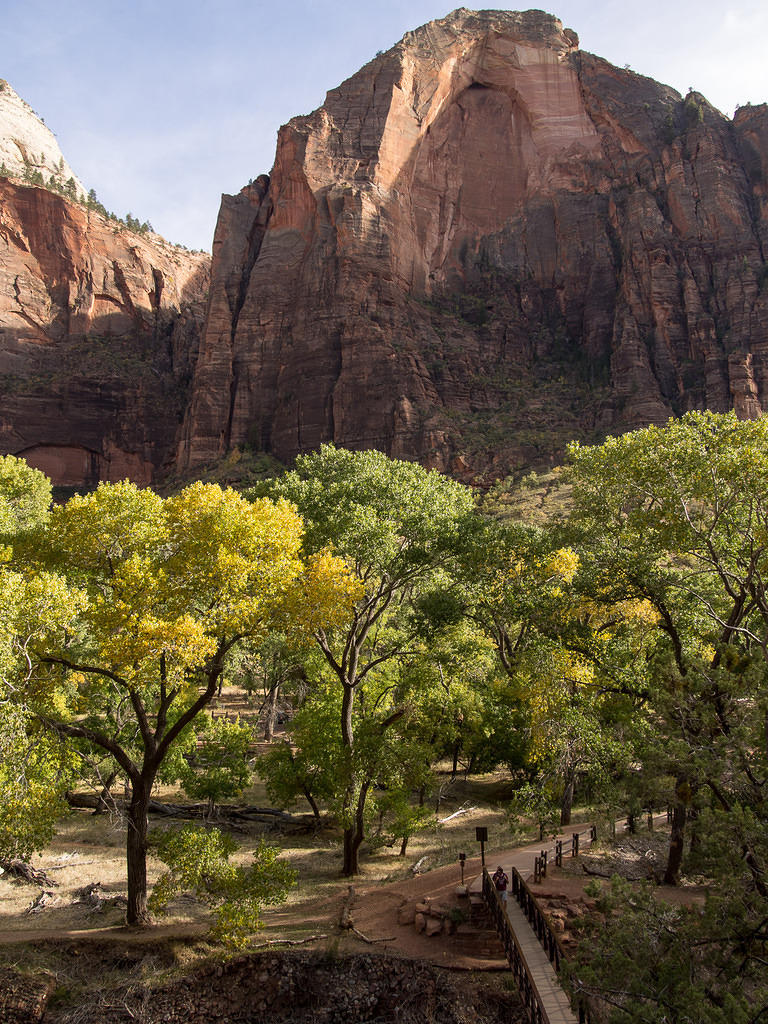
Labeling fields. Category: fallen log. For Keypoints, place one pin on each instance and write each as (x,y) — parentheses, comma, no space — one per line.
(42,901)
(290,942)
(189,811)
(461,810)
(26,873)
(390,938)
(90,896)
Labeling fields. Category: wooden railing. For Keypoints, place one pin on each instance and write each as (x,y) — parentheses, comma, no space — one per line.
(539,923)
(536,917)
(545,933)
(525,983)
(562,847)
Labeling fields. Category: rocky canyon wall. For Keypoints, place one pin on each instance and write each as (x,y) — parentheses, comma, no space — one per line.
(99,329)
(483,244)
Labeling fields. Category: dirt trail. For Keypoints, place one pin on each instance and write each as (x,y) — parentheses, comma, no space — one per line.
(374,912)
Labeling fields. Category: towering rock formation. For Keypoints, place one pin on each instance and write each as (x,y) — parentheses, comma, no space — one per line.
(29,148)
(99,326)
(484,243)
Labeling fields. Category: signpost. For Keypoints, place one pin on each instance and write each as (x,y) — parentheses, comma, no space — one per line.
(481,834)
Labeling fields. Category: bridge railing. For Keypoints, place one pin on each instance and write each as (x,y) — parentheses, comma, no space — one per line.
(526,985)
(539,923)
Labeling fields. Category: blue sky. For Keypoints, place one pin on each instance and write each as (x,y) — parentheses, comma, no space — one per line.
(161,106)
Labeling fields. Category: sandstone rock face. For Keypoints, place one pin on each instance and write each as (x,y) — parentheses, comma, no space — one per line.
(483,244)
(99,330)
(27,145)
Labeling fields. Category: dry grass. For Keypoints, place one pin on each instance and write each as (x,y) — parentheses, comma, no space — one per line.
(90,849)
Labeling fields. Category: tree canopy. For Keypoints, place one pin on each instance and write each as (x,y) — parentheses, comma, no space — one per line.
(168,588)
(397,526)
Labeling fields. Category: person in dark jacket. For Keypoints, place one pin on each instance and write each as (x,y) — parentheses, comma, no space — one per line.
(501,881)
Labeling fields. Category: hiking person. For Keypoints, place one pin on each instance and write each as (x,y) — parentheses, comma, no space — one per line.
(501,880)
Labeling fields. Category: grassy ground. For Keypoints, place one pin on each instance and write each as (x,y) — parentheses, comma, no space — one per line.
(90,849)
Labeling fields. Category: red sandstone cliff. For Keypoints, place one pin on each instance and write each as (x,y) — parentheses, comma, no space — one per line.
(484,243)
(99,329)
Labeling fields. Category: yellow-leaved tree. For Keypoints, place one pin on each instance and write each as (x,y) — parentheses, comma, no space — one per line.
(170,588)
(34,766)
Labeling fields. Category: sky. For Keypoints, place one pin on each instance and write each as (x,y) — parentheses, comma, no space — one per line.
(162,105)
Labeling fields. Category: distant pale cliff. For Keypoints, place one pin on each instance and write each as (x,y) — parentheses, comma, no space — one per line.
(484,243)
(28,147)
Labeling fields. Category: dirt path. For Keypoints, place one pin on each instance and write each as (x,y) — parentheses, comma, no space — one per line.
(374,912)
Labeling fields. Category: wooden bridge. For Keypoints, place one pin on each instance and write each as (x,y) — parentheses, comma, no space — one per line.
(530,944)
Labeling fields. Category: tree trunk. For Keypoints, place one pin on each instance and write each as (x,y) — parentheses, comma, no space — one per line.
(404,845)
(271,712)
(354,835)
(455,765)
(567,804)
(352,842)
(137,914)
(676,838)
(311,801)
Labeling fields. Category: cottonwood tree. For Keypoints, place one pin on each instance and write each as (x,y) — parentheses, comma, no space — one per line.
(171,587)
(34,766)
(518,581)
(671,525)
(214,766)
(678,516)
(396,525)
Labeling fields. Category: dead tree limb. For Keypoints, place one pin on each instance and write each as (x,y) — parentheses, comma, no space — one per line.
(345,918)
(289,942)
(26,873)
(390,938)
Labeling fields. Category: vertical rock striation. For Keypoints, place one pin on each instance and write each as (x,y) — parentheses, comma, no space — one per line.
(484,243)
(99,330)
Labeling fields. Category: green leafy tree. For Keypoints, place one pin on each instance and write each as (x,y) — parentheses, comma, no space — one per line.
(677,518)
(396,525)
(649,961)
(215,767)
(520,591)
(309,764)
(25,498)
(34,766)
(198,861)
